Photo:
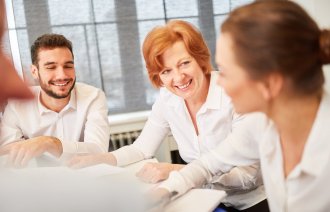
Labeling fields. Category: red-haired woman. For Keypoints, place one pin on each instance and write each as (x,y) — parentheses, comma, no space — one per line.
(196,111)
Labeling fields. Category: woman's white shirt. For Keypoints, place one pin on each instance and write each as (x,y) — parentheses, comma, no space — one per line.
(215,120)
(304,189)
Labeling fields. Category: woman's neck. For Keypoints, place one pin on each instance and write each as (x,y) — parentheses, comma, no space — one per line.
(193,105)
(294,119)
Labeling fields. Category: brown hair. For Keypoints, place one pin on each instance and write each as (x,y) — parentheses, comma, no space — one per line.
(280,36)
(162,37)
(49,41)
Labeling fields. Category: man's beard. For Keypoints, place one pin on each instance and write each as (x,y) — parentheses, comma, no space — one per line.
(51,93)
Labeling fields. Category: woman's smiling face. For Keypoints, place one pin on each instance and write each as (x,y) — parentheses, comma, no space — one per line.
(181,74)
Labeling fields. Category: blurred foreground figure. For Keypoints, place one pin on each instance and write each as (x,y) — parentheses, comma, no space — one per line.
(11,86)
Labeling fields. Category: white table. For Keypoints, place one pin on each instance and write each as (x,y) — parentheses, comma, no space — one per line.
(198,200)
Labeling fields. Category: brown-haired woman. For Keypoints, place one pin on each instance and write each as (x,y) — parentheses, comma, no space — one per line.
(197,112)
(270,55)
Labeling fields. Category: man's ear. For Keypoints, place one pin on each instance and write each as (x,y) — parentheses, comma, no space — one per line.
(272,85)
(34,71)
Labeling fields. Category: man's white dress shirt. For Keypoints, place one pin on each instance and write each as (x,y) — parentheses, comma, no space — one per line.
(82,125)
(306,188)
(215,120)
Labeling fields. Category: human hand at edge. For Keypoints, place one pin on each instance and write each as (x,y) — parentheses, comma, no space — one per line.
(21,152)
(156,172)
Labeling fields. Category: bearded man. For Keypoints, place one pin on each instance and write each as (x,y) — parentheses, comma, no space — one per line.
(64,118)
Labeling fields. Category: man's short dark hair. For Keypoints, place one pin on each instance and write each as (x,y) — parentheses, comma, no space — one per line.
(49,41)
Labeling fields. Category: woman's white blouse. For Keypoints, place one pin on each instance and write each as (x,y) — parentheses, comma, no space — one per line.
(306,188)
(215,120)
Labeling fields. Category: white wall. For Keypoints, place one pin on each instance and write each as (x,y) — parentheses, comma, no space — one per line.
(319,10)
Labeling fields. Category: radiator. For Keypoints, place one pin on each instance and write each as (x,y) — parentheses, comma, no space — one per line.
(125,128)
(122,139)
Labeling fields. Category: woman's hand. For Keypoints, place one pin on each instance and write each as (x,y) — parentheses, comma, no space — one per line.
(155,172)
(89,160)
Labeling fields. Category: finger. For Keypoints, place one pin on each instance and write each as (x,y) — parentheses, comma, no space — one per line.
(149,177)
(141,171)
(12,157)
(155,179)
(146,168)
(26,159)
(145,179)
(144,176)
(78,162)
(157,176)
(19,157)
(150,173)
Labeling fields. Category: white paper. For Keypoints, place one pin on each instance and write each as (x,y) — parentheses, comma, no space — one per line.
(197,200)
